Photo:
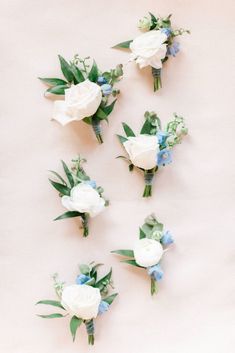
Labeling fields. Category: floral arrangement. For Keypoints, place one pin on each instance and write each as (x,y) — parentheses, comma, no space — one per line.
(149,249)
(152,147)
(79,194)
(155,46)
(82,301)
(86,91)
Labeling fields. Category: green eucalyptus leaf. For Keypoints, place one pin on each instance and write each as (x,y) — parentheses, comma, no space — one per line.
(53,81)
(69,214)
(123,45)
(122,139)
(60,90)
(75,322)
(77,73)
(63,189)
(51,302)
(66,69)
(68,174)
(110,298)
(127,252)
(128,130)
(84,269)
(52,316)
(94,73)
(131,262)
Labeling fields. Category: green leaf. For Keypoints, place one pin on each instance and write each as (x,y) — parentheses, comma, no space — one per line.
(84,269)
(103,281)
(53,81)
(75,322)
(69,214)
(63,189)
(109,108)
(77,73)
(154,21)
(132,262)
(57,89)
(142,234)
(66,69)
(110,298)
(127,130)
(123,45)
(147,229)
(129,253)
(88,120)
(122,139)
(51,302)
(68,174)
(93,74)
(52,316)
(146,128)
(101,114)
(58,176)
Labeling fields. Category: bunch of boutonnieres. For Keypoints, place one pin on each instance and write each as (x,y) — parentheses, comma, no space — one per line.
(148,250)
(154,47)
(86,90)
(151,148)
(79,194)
(82,301)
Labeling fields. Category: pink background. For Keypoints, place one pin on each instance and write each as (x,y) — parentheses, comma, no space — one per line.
(194,309)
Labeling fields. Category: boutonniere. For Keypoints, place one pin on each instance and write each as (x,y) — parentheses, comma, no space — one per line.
(82,301)
(152,147)
(148,250)
(79,194)
(155,46)
(86,90)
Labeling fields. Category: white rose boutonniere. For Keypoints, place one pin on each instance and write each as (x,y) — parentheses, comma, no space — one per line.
(151,148)
(86,90)
(149,249)
(155,46)
(79,194)
(82,301)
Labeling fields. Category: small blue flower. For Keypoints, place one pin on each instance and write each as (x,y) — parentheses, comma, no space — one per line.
(82,279)
(101,80)
(103,307)
(106,89)
(166,31)
(167,238)
(164,157)
(155,272)
(173,49)
(162,136)
(92,183)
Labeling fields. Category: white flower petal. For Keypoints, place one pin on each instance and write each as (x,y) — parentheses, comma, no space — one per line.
(60,113)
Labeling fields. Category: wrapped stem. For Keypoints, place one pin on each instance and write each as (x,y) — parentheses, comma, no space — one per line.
(90,329)
(157,82)
(97,129)
(85,219)
(153,286)
(148,178)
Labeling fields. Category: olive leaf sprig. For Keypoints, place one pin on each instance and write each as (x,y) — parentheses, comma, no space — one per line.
(75,176)
(163,24)
(166,139)
(153,230)
(87,276)
(77,71)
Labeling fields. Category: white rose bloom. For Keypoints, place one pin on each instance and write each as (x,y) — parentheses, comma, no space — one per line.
(85,199)
(148,49)
(147,252)
(142,150)
(81,101)
(81,300)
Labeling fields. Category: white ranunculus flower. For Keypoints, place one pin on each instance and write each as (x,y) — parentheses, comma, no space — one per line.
(149,49)
(147,252)
(81,101)
(85,199)
(142,150)
(81,300)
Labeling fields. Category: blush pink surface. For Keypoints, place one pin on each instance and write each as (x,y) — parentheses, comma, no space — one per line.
(194,309)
